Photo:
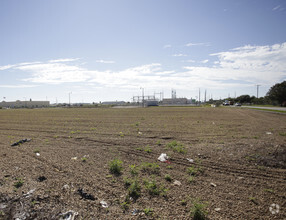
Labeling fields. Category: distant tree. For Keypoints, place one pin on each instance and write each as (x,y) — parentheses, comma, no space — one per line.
(277,93)
(243,99)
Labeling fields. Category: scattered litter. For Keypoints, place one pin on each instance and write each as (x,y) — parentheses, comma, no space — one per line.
(163,158)
(190,160)
(38,154)
(217,209)
(274,208)
(41,178)
(135,211)
(66,187)
(20,142)
(2,206)
(104,204)
(240,177)
(139,132)
(70,215)
(74,158)
(268,132)
(213,184)
(177,183)
(28,194)
(85,195)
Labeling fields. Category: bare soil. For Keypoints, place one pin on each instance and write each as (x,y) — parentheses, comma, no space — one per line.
(239,158)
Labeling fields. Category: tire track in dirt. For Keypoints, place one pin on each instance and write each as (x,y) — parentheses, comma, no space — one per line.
(218,167)
(246,172)
(60,169)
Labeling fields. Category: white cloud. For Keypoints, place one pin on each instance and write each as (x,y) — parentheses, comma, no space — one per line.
(204,61)
(197,44)
(64,60)
(6,67)
(105,61)
(253,64)
(237,68)
(179,55)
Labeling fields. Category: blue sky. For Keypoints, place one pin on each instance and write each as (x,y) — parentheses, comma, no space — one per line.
(109,49)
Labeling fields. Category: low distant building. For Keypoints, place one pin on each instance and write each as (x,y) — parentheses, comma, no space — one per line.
(175,101)
(114,103)
(151,103)
(25,104)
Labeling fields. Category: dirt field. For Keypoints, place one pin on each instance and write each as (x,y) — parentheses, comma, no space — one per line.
(237,172)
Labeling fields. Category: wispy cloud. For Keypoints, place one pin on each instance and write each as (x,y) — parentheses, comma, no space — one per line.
(18,86)
(197,44)
(105,61)
(167,46)
(179,55)
(188,61)
(276,8)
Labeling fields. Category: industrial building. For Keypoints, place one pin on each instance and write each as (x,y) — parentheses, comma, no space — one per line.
(25,104)
(175,101)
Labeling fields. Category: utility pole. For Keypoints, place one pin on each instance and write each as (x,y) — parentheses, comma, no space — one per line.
(205,95)
(257,89)
(142,96)
(70,98)
(199,95)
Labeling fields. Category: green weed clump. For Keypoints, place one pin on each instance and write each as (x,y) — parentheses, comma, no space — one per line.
(198,211)
(177,147)
(151,168)
(134,189)
(115,166)
(154,188)
(19,183)
(148,149)
(37,150)
(168,177)
(83,159)
(148,211)
(192,170)
(133,170)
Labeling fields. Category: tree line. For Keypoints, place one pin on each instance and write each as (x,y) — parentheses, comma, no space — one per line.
(275,96)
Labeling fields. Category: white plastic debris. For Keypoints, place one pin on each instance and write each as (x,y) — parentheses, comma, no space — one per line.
(28,194)
(66,187)
(69,215)
(213,184)
(38,154)
(74,158)
(190,160)
(268,132)
(217,209)
(163,157)
(135,211)
(177,183)
(139,132)
(274,208)
(104,204)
